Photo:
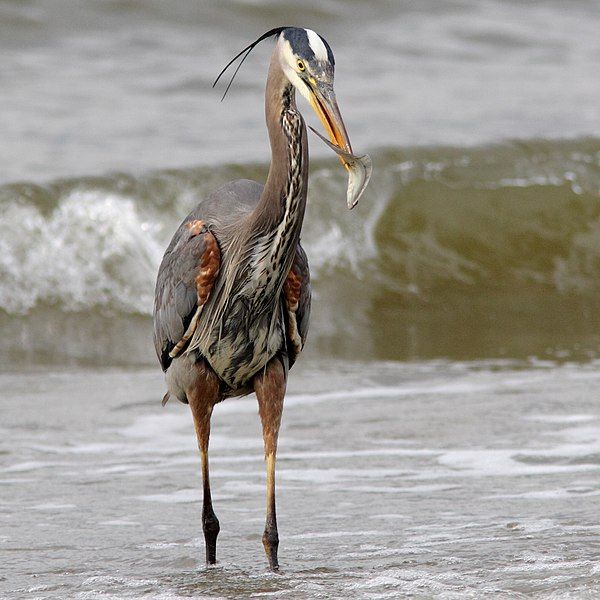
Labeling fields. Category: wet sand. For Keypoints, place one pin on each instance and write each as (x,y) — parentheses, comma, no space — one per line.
(430,479)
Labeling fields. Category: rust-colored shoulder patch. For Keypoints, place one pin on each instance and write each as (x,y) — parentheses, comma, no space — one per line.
(292,288)
(210,263)
(196,227)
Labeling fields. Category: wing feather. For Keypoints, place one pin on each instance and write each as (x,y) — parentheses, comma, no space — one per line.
(185,279)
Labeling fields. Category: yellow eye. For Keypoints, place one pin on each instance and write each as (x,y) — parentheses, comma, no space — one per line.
(301,66)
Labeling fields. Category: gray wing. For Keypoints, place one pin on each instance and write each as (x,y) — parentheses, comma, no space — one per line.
(191,264)
(176,296)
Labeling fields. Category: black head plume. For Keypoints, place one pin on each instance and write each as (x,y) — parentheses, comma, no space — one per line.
(246,51)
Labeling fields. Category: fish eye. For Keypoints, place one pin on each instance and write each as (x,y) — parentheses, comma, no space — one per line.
(301,66)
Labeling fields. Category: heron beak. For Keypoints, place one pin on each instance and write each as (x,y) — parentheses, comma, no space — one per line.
(325,105)
(322,99)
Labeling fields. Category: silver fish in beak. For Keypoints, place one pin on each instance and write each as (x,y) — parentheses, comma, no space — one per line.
(359,170)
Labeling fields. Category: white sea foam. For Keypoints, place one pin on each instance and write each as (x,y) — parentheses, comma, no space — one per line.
(335,534)
(501,463)
(177,497)
(93,250)
(24,467)
(570,418)
(550,494)
(52,506)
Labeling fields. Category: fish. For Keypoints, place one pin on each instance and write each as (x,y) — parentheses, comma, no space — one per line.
(359,170)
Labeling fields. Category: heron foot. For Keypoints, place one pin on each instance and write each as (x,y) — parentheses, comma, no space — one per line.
(270,541)
(211,528)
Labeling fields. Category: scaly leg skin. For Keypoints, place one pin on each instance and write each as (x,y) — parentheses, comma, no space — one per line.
(202,400)
(270,391)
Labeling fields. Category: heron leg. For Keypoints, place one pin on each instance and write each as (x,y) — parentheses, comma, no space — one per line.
(202,400)
(270,391)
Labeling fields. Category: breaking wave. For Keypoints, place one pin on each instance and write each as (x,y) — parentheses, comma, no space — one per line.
(443,234)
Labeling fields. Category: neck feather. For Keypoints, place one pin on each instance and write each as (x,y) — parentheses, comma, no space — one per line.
(284,196)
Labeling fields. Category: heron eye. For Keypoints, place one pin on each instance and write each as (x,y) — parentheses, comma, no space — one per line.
(301,66)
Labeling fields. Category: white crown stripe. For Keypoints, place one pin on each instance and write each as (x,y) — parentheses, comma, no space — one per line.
(317,45)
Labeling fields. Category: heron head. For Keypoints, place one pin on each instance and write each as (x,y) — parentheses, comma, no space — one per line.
(308,63)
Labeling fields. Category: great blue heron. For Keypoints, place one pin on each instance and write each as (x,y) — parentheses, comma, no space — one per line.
(233,290)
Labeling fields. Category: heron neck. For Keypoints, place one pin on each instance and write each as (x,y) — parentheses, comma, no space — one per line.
(284,196)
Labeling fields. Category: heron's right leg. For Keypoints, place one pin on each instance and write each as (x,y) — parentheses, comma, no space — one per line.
(269,386)
(202,400)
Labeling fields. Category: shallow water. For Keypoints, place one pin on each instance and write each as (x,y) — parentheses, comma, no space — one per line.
(394,480)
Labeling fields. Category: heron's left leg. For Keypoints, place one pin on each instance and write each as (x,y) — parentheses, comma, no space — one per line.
(270,391)
(202,400)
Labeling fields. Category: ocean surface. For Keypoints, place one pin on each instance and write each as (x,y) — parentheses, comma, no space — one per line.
(441,434)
